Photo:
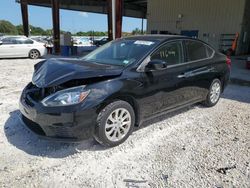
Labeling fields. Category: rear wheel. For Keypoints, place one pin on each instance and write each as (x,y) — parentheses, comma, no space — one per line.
(214,93)
(34,54)
(115,123)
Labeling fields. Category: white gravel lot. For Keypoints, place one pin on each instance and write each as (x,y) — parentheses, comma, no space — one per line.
(194,147)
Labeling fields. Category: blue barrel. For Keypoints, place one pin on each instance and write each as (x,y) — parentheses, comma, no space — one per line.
(73,50)
(65,50)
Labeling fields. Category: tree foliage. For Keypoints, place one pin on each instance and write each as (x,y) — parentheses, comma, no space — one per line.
(136,31)
(20,29)
(92,33)
(37,31)
(7,28)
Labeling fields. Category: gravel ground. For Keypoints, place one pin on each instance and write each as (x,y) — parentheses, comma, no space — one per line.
(194,147)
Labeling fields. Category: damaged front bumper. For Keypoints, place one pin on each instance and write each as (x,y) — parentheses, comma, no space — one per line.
(72,123)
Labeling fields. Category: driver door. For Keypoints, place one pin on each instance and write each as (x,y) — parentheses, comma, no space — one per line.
(163,89)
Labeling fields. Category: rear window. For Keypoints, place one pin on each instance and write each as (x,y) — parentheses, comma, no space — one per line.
(210,51)
(197,50)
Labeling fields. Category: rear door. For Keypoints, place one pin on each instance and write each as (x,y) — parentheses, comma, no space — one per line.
(199,61)
(23,47)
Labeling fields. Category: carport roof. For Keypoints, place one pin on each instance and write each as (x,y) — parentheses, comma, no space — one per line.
(132,8)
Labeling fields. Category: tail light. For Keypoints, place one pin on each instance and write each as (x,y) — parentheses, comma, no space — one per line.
(229,62)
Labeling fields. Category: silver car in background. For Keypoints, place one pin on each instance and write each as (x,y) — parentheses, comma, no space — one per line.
(21,47)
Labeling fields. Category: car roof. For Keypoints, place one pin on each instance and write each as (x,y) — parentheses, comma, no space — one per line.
(15,37)
(160,38)
(164,38)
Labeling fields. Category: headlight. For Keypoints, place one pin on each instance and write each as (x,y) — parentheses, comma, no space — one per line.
(66,97)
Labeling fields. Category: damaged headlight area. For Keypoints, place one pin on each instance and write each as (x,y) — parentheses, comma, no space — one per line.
(66,97)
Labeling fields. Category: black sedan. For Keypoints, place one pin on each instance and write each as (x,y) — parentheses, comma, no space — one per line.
(109,92)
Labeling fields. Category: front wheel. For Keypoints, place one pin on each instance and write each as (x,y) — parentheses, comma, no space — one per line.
(115,123)
(214,93)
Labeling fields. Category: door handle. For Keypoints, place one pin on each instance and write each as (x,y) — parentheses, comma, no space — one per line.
(181,76)
(185,75)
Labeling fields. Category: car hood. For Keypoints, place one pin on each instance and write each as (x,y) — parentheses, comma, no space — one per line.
(53,72)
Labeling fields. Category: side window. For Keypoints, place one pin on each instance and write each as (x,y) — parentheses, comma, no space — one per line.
(18,41)
(171,53)
(28,41)
(197,50)
(210,51)
(7,41)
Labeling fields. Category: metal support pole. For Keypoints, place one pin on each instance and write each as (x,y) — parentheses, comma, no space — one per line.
(114,18)
(109,11)
(118,23)
(142,25)
(25,17)
(56,25)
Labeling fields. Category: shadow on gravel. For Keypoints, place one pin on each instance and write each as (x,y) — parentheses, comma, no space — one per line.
(165,116)
(22,138)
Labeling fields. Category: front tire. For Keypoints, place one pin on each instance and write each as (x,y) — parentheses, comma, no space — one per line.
(214,93)
(115,123)
(34,54)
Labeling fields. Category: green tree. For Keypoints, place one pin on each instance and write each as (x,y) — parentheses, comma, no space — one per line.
(49,32)
(20,29)
(136,31)
(91,33)
(7,28)
(36,30)
(33,30)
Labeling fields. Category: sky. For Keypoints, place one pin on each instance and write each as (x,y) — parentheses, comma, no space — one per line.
(72,21)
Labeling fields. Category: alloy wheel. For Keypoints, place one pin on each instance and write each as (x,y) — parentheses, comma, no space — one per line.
(118,124)
(34,54)
(215,92)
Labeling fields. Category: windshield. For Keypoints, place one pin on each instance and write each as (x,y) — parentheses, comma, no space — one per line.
(120,52)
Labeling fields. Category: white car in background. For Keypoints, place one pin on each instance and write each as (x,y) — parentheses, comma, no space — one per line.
(21,47)
(82,41)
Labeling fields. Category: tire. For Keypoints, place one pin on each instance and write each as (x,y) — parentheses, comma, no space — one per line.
(214,91)
(34,54)
(111,130)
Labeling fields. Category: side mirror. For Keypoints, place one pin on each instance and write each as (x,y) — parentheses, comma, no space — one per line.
(156,65)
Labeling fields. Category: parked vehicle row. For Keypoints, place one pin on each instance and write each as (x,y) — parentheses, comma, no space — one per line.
(109,92)
(35,47)
(101,41)
(89,41)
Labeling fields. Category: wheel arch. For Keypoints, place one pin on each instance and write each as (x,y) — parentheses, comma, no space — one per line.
(127,98)
(221,77)
(36,50)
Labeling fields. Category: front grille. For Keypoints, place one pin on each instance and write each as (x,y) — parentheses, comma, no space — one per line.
(28,102)
(62,131)
(33,126)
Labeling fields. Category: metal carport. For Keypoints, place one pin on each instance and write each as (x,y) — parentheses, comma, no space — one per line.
(115,10)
